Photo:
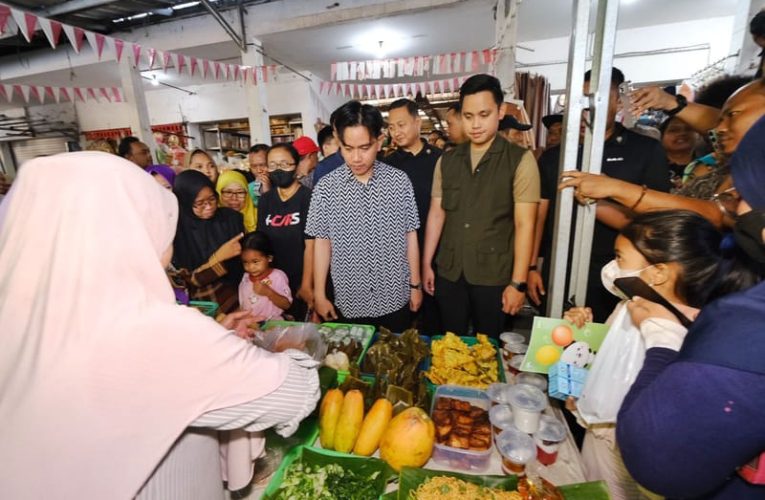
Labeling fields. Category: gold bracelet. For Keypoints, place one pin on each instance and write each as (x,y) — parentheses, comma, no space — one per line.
(642,195)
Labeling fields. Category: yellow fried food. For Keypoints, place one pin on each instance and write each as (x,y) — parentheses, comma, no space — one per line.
(451,488)
(456,363)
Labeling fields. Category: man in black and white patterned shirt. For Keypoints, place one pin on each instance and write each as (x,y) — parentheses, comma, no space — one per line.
(364,218)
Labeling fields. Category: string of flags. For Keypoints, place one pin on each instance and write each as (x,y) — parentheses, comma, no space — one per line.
(59,94)
(391,90)
(416,66)
(15,20)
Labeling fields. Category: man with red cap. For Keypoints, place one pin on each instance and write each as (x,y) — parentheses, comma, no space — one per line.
(309,158)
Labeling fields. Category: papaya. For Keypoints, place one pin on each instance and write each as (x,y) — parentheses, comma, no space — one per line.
(329,413)
(349,423)
(373,427)
(408,439)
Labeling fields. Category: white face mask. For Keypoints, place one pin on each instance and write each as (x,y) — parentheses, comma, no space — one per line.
(612,271)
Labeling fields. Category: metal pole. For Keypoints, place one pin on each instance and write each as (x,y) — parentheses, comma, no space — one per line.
(238,40)
(592,158)
(569,150)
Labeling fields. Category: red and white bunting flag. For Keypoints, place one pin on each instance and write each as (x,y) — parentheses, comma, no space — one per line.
(244,71)
(423,89)
(33,92)
(338,89)
(65,93)
(487,56)
(274,70)
(217,70)
(431,88)
(333,71)
(368,90)
(117,95)
(136,54)
(205,68)
(49,92)
(75,35)
(152,57)
(347,92)
(39,92)
(92,94)
(417,66)
(26,22)
(119,46)
(378,91)
(52,30)
(165,60)
(236,72)
(386,89)
(3,92)
(460,60)
(8,90)
(96,41)
(476,62)
(254,75)
(5,14)
(451,85)
(181,63)
(23,91)
(105,93)
(193,65)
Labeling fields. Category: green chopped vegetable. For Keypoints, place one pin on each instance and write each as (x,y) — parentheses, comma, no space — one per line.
(329,482)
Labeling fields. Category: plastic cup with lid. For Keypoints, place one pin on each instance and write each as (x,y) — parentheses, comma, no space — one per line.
(501,418)
(517,449)
(548,438)
(497,392)
(514,365)
(510,338)
(533,379)
(527,402)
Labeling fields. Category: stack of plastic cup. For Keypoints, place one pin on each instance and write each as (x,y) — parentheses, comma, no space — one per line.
(533,379)
(516,449)
(527,402)
(501,418)
(548,438)
(514,365)
(498,394)
(510,339)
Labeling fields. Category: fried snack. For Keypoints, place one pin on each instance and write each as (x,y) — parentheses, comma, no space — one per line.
(461,425)
(455,363)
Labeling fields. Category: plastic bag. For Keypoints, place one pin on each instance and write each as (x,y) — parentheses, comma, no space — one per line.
(304,337)
(613,372)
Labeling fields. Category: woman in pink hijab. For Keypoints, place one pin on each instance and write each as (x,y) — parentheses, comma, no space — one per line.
(101,372)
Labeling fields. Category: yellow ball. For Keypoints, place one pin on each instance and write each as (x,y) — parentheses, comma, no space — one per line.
(547,355)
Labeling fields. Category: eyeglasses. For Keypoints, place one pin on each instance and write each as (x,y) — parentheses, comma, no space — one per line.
(282,165)
(727,201)
(234,194)
(211,201)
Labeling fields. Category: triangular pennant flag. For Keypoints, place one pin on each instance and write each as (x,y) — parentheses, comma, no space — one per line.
(386,89)
(337,89)
(265,74)
(96,41)
(92,94)
(105,94)
(165,60)
(378,91)
(274,70)
(205,68)
(254,75)
(63,92)
(347,92)
(423,89)
(39,92)
(136,54)
(217,70)
(78,93)
(2,92)
(8,89)
(75,35)
(23,91)
(119,46)
(431,89)
(451,85)
(5,14)
(193,65)
(368,89)
(236,72)
(181,63)
(152,57)
(333,71)
(50,93)
(117,95)
(26,23)
(486,53)
(52,30)
(226,71)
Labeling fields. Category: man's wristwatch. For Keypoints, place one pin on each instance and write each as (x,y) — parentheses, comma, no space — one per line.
(682,102)
(418,286)
(521,287)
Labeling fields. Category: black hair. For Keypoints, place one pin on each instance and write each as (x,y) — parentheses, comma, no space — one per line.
(187,186)
(259,242)
(617,77)
(288,147)
(716,92)
(409,104)
(126,144)
(353,113)
(757,24)
(687,239)
(324,135)
(456,107)
(665,124)
(199,151)
(440,133)
(482,83)
(260,148)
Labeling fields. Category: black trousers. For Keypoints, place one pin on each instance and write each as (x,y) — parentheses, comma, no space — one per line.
(462,304)
(397,321)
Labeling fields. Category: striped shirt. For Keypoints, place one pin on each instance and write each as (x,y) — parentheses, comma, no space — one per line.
(367,225)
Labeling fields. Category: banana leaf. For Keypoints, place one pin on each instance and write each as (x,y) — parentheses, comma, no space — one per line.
(410,479)
(361,466)
(396,360)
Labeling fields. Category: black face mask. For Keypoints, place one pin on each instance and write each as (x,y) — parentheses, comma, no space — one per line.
(748,234)
(282,178)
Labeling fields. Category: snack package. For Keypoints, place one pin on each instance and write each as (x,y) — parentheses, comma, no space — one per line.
(304,337)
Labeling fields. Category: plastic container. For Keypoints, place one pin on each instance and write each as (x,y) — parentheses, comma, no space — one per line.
(459,459)
(206,308)
(517,348)
(527,402)
(498,394)
(548,438)
(501,418)
(509,338)
(533,379)
(517,449)
(514,365)
(470,342)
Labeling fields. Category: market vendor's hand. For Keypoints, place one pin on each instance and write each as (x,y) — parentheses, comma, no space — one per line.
(646,98)
(415,300)
(325,309)
(589,186)
(578,316)
(240,323)
(512,300)
(230,249)
(536,286)
(428,279)
(306,294)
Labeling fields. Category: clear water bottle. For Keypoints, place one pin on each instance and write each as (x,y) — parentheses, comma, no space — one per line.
(629,120)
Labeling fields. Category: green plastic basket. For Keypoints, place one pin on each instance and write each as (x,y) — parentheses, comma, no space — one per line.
(469,341)
(207,308)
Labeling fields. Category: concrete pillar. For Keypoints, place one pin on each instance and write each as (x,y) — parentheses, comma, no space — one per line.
(257,99)
(506,29)
(138,111)
(741,42)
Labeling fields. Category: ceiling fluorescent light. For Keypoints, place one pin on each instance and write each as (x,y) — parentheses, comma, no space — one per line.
(185,5)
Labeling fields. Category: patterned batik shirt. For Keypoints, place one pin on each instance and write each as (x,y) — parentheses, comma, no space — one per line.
(367,226)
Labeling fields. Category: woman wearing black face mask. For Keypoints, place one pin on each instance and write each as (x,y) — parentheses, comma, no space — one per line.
(693,423)
(282,215)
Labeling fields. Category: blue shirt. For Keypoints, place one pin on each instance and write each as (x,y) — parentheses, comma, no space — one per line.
(326,166)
